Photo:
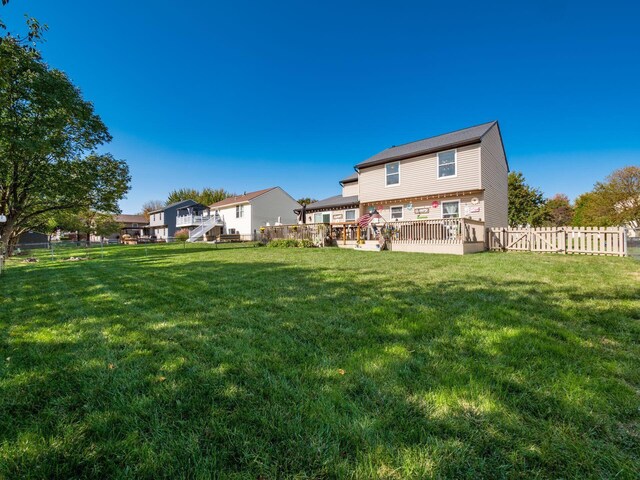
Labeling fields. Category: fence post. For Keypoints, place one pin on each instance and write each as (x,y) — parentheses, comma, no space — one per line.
(623,233)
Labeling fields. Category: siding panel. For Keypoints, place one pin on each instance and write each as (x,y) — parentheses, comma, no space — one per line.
(494,174)
(418,176)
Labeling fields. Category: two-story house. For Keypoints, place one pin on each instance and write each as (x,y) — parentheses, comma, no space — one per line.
(457,175)
(164,223)
(243,215)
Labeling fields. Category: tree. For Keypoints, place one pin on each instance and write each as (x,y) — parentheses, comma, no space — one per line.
(88,222)
(206,196)
(151,206)
(526,204)
(559,211)
(306,200)
(620,195)
(48,140)
(591,210)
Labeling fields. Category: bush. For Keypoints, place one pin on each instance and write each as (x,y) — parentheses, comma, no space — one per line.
(290,243)
(182,235)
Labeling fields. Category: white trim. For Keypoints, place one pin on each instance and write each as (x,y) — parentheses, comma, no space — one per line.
(355,214)
(455,164)
(450,201)
(391,217)
(323,214)
(386,175)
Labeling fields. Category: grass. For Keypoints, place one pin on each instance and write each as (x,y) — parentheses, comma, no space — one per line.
(235,362)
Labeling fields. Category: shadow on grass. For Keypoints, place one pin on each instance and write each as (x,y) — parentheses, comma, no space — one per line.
(158,366)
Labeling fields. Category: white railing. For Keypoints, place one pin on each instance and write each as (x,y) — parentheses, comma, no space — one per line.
(206,224)
(190,220)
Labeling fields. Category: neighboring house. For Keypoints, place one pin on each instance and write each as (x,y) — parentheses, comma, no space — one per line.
(163,222)
(244,214)
(133,225)
(458,175)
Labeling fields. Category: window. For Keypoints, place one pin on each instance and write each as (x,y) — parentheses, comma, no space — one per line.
(393,173)
(451,209)
(239,211)
(350,215)
(396,213)
(321,218)
(447,164)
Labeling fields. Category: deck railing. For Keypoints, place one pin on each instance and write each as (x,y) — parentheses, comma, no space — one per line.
(188,220)
(441,231)
(318,233)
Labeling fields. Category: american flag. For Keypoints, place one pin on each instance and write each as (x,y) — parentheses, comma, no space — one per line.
(364,220)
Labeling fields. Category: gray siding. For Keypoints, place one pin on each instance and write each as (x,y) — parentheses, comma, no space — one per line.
(494,175)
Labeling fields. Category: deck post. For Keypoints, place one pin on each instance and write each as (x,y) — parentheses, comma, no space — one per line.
(358,235)
(344,234)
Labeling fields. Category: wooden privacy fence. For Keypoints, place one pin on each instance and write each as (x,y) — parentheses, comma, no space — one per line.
(575,240)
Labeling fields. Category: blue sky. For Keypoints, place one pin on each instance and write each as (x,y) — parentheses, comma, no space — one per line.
(246,95)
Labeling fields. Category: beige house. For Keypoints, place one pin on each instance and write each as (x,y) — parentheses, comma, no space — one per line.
(442,190)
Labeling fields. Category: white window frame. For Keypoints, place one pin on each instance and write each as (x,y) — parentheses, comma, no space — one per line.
(323,214)
(455,164)
(401,207)
(355,215)
(386,175)
(442,209)
(239,211)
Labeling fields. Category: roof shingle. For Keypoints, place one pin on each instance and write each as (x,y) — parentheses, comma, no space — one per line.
(428,145)
(335,201)
(240,198)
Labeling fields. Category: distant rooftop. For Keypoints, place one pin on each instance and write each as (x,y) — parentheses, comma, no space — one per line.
(240,198)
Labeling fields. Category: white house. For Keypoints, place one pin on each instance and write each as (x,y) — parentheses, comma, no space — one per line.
(245,214)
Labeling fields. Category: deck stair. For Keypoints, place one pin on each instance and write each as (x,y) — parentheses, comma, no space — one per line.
(200,231)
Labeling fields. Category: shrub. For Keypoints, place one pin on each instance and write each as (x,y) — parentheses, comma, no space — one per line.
(290,243)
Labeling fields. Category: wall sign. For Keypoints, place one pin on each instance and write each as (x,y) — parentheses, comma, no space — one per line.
(421,210)
(422,217)
(337,216)
(435,204)
(468,209)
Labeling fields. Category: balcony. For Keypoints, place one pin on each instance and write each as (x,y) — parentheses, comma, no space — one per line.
(191,220)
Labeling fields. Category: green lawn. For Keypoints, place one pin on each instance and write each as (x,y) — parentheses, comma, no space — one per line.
(245,362)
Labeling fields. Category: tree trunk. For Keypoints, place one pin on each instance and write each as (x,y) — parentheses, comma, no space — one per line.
(6,232)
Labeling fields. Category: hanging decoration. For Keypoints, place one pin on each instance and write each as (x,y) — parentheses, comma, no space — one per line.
(435,204)
(409,206)
(474,200)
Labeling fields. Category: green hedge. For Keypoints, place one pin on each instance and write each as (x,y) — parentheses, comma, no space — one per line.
(290,243)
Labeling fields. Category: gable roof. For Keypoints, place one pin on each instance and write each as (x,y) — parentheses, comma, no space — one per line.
(350,179)
(247,197)
(459,138)
(335,201)
(181,203)
(126,218)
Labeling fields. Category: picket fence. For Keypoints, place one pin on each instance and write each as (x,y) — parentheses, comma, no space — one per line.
(573,240)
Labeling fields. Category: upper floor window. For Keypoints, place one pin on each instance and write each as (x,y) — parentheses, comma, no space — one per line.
(451,209)
(447,164)
(239,211)
(350,215)
(392,173)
